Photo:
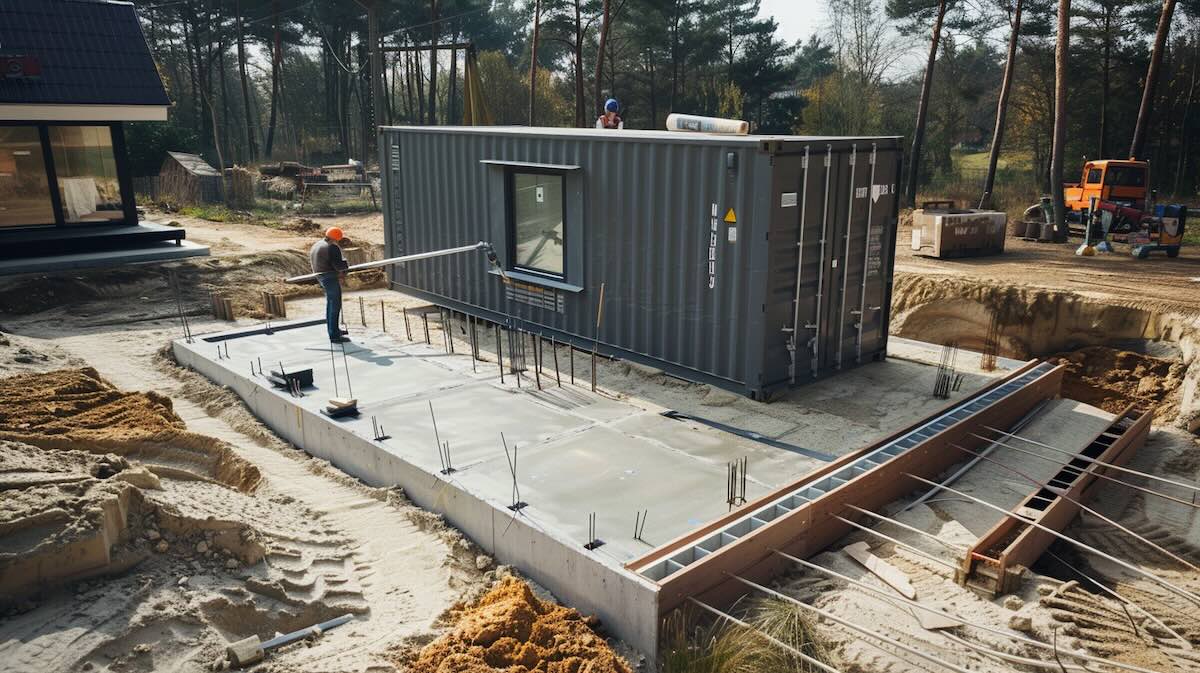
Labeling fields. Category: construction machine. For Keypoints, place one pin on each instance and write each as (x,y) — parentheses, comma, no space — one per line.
(1113,200)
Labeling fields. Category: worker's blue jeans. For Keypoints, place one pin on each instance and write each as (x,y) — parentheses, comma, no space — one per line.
(333,303)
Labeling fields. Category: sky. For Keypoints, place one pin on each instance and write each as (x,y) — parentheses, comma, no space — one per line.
(797,19)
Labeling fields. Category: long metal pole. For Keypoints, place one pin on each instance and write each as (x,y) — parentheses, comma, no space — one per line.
(816,340)
(911,529)
(1191,487)
(1024,420)
(953,617)
(846,256)
(855,627)
(1061,493)
(1106,477)
(795,336)
(1187,645)
(1179,591)
(898,543)
(399,260)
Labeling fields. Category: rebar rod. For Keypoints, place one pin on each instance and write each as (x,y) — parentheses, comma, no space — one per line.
(1143,489)
(907,527)
(1021,423)
(1007,658)
(771,639)
(898,543)
(1119,468)
(1061,493)
(855,627)
(1180,591)
(942,613)
(1187,645)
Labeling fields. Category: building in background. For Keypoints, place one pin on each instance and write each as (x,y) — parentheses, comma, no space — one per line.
(71,72)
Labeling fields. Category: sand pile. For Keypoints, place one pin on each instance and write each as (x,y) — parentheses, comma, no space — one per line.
(509,629)
(74,409)
(1111,379)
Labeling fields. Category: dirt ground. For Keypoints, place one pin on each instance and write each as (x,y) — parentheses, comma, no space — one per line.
(510,629)
(1157,283)
(108,419)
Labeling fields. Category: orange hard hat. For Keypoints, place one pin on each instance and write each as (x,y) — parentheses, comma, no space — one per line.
(334,233)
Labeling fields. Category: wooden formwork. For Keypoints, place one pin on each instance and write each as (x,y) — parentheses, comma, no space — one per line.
(994,563)
(811,527)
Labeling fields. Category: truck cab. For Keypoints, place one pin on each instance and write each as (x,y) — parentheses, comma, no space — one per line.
(1124,182)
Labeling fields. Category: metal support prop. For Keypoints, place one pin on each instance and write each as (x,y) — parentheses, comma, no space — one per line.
(499,353)
(554,348)
(862,300)
(846,257)
(794,337)
(382,316)
(407,327)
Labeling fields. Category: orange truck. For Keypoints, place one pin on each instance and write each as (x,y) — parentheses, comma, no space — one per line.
(1124,182)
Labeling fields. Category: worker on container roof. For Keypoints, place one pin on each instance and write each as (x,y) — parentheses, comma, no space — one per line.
(330,267)
(610,119)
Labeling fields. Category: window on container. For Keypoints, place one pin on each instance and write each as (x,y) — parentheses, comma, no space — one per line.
(536,222)
(87,174)
(24,187)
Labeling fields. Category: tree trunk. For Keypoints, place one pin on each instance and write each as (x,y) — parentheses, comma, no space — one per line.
(1105,85)
(1002,108)
(420,75)
(537,22)
(599,101)
(1183,124)
(241,49)
(450,111)
(433,60)
(366,102)
(580,108)
(411,108)
(914,159)
(276,57)
(1156,57)
(224,98)
(1061,52)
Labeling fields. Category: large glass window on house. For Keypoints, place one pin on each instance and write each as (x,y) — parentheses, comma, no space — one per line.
(24,188)
(536,224)
(87,173)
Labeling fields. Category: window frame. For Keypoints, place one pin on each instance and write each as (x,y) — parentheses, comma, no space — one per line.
(510,223)
(124,180)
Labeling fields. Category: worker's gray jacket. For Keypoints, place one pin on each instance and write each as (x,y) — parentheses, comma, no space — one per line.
(326,257)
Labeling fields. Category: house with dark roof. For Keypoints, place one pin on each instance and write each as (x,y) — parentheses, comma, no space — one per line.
(71,72)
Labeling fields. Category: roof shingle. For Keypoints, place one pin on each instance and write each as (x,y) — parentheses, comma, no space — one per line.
(91,52)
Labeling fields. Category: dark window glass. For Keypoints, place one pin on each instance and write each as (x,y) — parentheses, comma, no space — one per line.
(24,188)
(1126,176)
(87,173)
(1094,175)
(537,222)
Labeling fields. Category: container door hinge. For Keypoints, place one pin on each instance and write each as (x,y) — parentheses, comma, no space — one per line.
(855,312)
(873,148)
(828,159)
(810,326)
(804,162)
(853,157)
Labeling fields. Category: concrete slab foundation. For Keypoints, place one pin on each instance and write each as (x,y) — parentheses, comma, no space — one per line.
(578,454)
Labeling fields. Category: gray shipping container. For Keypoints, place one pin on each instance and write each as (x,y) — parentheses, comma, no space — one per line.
(750,262)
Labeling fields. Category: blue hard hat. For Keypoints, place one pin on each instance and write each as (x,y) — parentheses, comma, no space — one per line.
(611,105)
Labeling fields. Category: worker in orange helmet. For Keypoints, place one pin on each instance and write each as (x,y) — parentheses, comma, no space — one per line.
(330,267)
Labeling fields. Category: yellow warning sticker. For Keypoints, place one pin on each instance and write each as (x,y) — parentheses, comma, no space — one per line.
(730,216)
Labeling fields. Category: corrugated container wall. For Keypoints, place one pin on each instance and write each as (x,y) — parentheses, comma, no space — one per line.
(696,239)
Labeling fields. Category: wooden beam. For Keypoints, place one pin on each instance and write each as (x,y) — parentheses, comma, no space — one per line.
(812,527)
(1012,543)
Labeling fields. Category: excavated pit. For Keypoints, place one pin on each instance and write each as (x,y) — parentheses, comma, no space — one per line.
(79,464)
(1115,354)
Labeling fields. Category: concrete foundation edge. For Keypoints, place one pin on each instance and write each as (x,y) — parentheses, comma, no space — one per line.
(626,603)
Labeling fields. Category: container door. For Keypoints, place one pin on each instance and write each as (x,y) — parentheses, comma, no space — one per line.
(878,255)
(794,249)
(837,277)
